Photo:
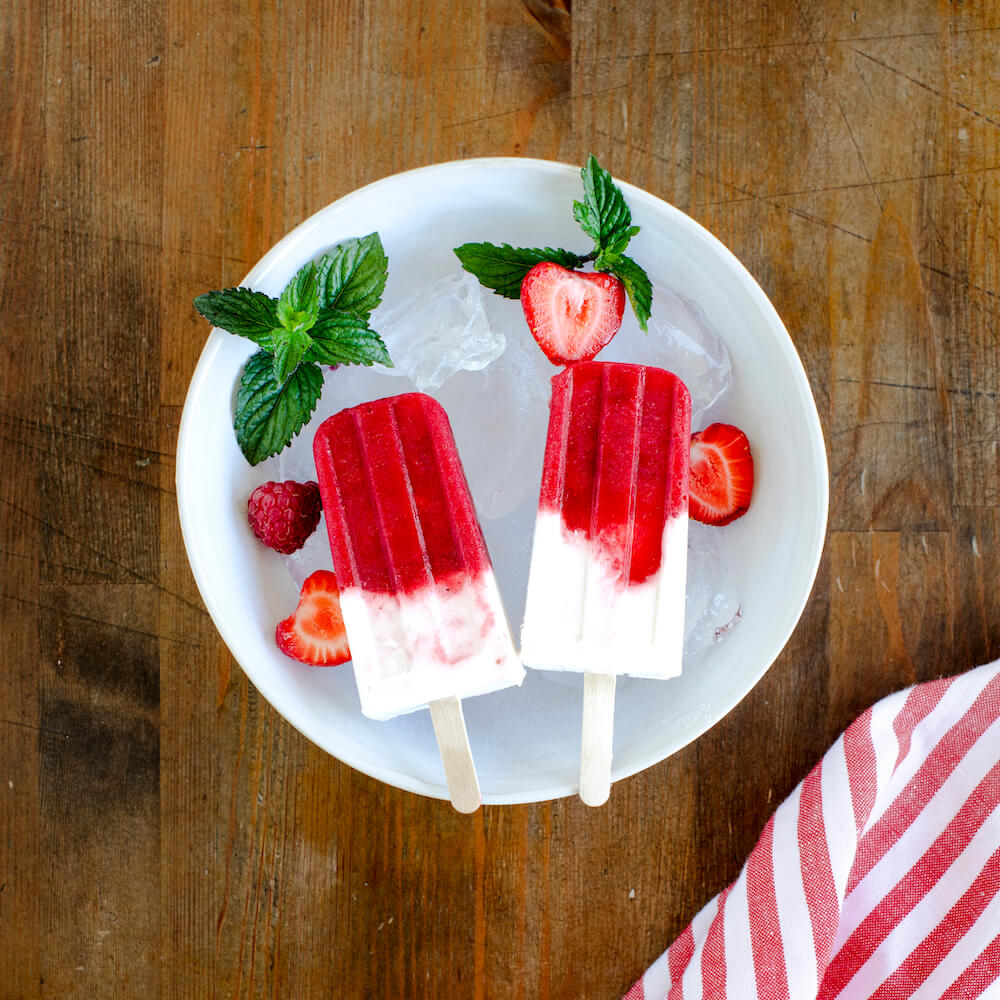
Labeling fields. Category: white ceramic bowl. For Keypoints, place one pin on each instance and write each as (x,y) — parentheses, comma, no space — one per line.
(525,740)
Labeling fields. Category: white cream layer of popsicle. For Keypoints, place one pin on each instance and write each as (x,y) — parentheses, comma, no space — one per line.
(444,640)
(580,616)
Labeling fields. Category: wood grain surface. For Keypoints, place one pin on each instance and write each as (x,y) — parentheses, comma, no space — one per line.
(163,832)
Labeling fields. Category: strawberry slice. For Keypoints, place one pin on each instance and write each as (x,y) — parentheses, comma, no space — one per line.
(315,632)
(721,474)
(571,314)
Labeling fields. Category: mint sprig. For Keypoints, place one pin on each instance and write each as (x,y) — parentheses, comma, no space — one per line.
(321,317)
(603,215)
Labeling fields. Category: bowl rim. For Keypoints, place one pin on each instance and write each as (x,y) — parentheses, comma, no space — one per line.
(805,401)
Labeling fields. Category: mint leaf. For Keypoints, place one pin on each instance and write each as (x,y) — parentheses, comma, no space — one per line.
(603,214)
(268,414)
(502,268)
(289,349)
(241,311)
(352,275)
(342,338)
(299,303)
(637,285)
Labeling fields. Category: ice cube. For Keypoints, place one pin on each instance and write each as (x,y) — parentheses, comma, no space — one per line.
(681,339)
(712,606)
(439,332)
(500,417)
(702,358)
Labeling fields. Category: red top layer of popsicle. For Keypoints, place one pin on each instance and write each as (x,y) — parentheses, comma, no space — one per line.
(397,504)
(617,459)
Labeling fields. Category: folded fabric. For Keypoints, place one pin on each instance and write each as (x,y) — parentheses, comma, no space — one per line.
(879,877)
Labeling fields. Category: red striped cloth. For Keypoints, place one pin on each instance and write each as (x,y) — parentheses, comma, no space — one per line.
(879,877)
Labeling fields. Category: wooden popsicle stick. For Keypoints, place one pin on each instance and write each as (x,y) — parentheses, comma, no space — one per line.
(456,754)
(595,743)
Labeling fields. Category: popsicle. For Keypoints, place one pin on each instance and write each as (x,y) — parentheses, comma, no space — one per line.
(419,597)
(609,556)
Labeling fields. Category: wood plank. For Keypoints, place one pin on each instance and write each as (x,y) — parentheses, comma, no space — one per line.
(86,429)
(21,294)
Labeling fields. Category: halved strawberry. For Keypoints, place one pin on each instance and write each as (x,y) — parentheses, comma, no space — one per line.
(315,632)
(571,314)
(721,474)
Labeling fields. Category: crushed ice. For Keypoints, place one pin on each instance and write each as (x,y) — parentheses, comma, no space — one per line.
(449,340)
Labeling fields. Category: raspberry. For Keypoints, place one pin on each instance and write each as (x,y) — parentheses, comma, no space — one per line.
(284,515)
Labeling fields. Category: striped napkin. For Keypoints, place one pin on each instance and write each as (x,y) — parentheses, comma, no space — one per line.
(879,877)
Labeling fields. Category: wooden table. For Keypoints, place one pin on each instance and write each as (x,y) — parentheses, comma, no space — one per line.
(163,832)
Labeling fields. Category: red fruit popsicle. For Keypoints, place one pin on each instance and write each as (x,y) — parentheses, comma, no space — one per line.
(420,602)
(609,558)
